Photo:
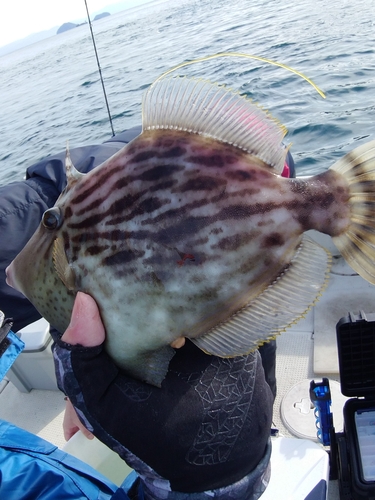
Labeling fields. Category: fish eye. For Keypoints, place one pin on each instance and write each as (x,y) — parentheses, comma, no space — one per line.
(52,218)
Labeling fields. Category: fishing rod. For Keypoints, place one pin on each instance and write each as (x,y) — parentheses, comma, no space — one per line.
(100,70)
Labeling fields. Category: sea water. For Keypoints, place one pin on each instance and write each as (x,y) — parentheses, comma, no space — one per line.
(50,92)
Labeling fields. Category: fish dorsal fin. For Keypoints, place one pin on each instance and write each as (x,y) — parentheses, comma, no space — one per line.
(201,107)
(61,264)
(72,174)
(280,305)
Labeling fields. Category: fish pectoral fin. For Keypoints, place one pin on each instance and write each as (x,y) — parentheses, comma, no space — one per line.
(62,267)
(153,366)
(280,305)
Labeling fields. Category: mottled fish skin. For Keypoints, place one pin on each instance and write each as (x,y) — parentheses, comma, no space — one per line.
(174,234)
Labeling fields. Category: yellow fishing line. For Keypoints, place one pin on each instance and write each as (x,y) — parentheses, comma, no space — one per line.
(248,56)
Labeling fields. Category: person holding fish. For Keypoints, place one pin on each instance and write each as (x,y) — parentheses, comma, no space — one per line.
(205,433)
(223,406)
(189,232)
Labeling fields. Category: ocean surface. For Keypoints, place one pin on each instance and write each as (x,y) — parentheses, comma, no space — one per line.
(50,92)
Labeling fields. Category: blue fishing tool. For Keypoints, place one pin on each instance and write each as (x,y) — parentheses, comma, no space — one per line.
(320,396)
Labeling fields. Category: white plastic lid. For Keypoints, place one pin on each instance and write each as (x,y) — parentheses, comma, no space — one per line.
(297,411)
(36,336)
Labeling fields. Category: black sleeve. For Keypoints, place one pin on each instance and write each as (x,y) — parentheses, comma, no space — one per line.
(207,427)
(21,207)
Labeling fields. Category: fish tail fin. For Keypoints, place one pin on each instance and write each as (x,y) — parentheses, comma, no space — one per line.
(357,243)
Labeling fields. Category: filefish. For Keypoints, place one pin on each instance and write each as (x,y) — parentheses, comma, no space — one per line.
(190,231)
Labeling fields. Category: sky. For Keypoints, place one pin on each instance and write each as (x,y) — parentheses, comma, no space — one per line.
(20,18)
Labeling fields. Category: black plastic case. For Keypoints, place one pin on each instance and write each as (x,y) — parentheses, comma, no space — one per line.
(355,447)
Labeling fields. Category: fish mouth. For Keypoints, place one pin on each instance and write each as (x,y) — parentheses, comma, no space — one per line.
(9,276)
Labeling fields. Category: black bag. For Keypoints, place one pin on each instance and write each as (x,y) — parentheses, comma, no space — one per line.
(354,448)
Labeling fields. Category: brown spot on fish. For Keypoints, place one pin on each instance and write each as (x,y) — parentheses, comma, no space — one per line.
(230,159)
(240,211)
(212,160)
(68,212)
(304,220)
(240,175)
(148,206)
(200,241)
(160,171)
(124,256)
(96,249)
(174,152)
(234,242)
(122,183)
(273,240)
(144,156)
(216,230)
(167,185)
(92,206)
(90,221)
(202,183)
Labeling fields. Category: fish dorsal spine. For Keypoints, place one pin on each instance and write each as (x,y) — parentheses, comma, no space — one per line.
(201,107)
(72,174)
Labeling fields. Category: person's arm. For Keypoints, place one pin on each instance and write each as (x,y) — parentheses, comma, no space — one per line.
(21,208)
(206,428)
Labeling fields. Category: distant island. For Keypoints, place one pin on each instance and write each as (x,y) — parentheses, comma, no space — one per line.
(103,14)
(68,26)
(114,8)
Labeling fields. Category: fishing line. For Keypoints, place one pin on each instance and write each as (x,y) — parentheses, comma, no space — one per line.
(248,56)
(100,70)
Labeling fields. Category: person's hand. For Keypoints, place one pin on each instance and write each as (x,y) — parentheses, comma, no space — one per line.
(86,327)
(85,314)
(205,428)
(72,424)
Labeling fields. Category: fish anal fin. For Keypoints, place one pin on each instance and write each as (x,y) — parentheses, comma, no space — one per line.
(357,242)
(151,367)
(281,304)
(62,267)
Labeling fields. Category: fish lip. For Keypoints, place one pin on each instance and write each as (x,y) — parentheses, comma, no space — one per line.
(9,279)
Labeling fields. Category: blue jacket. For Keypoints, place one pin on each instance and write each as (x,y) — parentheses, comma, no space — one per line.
(32,468)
